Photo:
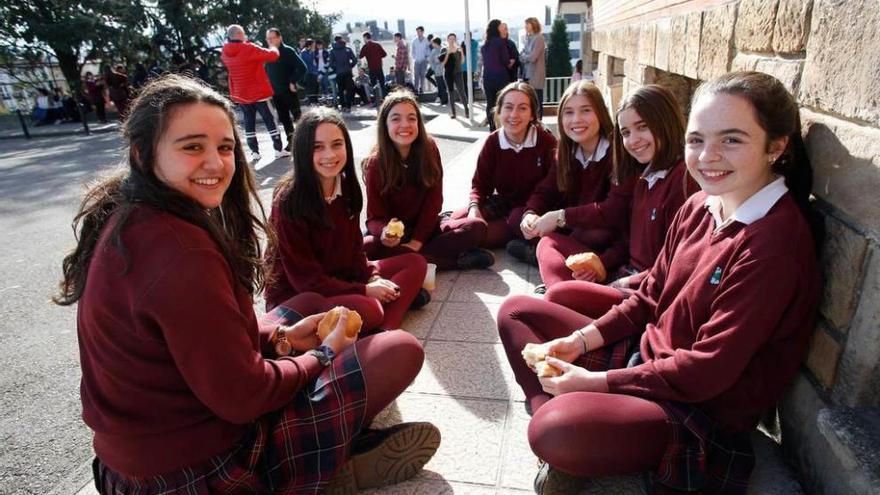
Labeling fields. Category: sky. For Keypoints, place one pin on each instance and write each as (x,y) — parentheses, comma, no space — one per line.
(438,16)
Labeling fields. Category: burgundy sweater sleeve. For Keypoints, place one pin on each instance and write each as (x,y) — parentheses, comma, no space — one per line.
(613,212)
(546,195)
(617,253)
(302,268)
(740,323)
(193,303)
(377,210)
(482,184)
(429,215)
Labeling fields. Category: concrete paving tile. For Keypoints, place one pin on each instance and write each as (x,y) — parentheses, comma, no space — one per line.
(472,430)
(444,283)
(488,287)
(465,369)
(89,489)
(507,263)
(418,322)
(426,486)
(519,463)
(472,322)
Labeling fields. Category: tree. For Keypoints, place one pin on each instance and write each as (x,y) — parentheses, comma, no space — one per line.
(558,58)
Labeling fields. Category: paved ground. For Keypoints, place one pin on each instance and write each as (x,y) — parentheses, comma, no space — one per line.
(465,387)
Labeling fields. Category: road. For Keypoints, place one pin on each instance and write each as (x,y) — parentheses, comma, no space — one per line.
(46,446)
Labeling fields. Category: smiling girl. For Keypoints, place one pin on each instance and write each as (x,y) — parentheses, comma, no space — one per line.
(648,138)
(513,160)
(724,315)
(404,180)
(320,248)
(181,382)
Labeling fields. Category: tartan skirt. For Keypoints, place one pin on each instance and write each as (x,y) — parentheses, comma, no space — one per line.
(294,450)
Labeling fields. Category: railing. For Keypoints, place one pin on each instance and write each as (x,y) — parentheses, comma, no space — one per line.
(553,89)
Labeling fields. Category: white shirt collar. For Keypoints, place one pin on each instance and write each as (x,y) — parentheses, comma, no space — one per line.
(598,153)
(337,190)
(530,142)
(653,177)
(752,209)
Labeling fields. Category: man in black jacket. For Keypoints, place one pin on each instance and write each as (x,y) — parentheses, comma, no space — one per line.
(342,60)
(284,74)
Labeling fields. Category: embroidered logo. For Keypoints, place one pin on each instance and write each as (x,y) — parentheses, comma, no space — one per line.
(653,214)
(716,276)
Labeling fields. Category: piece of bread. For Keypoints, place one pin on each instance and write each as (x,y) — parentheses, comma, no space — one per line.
(545,370)
(328,323)
(394,228)
(577,262)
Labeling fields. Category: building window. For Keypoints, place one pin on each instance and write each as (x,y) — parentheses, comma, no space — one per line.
(574,36)
(574,54)
(572,18)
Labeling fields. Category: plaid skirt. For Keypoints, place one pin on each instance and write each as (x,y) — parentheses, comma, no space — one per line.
(294,450)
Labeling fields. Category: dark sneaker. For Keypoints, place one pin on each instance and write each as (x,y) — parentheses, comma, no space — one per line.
(540,290)
(550,481)
(523,250)
(385,457)
(477,258)
(422,298)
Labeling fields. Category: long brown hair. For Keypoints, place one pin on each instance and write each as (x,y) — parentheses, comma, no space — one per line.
(659,111)
(566,170)
(233,226)
(422,170)
(524,88)
(778,115)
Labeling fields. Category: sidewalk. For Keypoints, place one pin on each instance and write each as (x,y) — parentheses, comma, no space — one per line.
(466,386)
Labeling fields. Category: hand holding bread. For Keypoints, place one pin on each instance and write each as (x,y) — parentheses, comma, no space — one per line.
(587,263)
(339,328)
(392,233)
(535,356)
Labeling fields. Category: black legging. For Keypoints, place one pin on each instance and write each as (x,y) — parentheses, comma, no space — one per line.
(453,82)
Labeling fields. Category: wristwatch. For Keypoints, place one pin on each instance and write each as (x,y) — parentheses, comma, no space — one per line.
(324,354)
(280,342)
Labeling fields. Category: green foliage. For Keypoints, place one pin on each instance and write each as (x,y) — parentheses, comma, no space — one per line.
(129,31)
(558,59)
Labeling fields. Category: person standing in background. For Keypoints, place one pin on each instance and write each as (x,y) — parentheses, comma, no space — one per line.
(284,75)
(401,60)
(421,51)
(533,60)
(374,53)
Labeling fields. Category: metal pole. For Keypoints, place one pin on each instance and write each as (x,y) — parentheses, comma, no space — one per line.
(470,68)
(23,124)
(488,12)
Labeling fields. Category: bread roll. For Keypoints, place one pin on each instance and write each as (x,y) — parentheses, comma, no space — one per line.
(328,323)
(534,353)
(545,370)
(394,228)
(577,262)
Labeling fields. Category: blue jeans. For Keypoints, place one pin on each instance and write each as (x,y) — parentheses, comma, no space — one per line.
(250,124)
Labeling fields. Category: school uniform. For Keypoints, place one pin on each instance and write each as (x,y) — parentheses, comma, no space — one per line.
(166,418)
(656,198)
(505,177)
(718,344)
(419,209)
(332,262)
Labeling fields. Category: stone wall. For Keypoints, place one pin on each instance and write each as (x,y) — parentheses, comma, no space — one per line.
(827,52)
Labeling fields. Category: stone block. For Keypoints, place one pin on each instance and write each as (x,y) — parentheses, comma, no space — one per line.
(843,54)
(600,41)
(822,356)
(792,25)
(661,47)
(846,166)
(618,42)
(754,25)
(604,71)
(843,256)
(647,44)
(631,43)
(744,61)
(692,44)
(858,375)
(678,44)
(787,71)
(716,41)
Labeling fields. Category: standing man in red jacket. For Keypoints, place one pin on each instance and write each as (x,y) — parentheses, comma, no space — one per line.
(249,87)
(374,53)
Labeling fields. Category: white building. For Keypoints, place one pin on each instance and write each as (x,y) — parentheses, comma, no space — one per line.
(577,19)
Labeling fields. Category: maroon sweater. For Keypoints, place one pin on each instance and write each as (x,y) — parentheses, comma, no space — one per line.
(512,175)
(652,213)
(726,315)
(172,370)
(329,261)
(418,208)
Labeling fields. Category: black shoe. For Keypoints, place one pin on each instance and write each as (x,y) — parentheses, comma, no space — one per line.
(476,258)
(422,298)
(550,481)
(522,250)
(540,290)
(385,457)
